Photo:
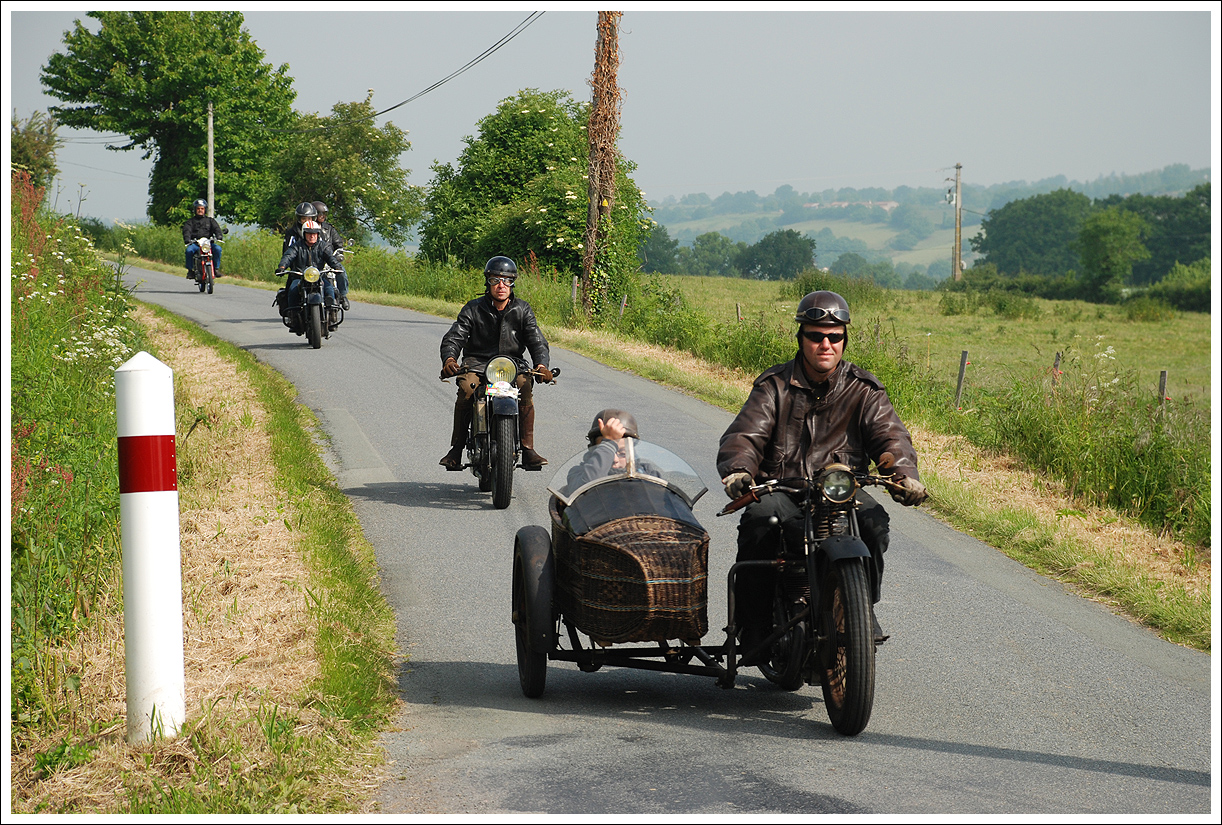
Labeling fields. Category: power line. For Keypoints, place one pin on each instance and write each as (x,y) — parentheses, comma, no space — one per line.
(96,169)
(486,53)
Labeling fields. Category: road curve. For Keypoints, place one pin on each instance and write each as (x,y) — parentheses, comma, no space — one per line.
(1000,692)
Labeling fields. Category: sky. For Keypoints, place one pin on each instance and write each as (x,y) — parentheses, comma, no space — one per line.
(719,98)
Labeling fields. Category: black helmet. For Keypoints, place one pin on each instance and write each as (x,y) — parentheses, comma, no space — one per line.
(199,202)
(823,309)
(624,417)
(500,267)
(305,209)
(321,208)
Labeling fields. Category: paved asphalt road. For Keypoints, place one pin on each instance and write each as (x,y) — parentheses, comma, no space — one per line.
(998,693)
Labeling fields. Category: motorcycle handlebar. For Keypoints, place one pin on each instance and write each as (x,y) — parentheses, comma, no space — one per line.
(800,485)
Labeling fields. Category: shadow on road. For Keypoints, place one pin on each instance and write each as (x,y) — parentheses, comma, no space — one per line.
(459,495)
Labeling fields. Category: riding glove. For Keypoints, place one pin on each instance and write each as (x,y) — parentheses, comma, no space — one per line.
(450,368)
(543,375)
(913,493)
(737,484)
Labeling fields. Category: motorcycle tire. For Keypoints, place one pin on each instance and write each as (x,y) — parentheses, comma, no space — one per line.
(314,326)
(847,655)
(533,621)
(504,429)
(199,280)
(209,278)
(784,665)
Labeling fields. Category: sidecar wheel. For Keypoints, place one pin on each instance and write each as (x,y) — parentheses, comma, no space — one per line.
(847,656)
(533,623)
(314,326)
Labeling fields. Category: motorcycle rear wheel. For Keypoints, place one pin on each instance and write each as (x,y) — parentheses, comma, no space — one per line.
(314,326)
(503,433)
(847,667)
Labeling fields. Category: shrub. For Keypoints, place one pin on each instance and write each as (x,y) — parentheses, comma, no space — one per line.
(1147,308)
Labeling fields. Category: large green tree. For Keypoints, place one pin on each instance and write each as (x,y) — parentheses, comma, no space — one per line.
(1178,229)
(1110,243)
(711,254)
(519,188)
(350,164)
(778,256)
(149,75)
(1036,234)
(34,143)
(659,252)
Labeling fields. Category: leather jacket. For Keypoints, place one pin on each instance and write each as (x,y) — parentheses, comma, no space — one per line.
(200,226)
(481,333)
(790,428)
(300,257)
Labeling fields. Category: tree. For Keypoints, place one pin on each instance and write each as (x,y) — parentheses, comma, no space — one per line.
(34,143)
(850,263)
(1036,234)
(659,253)
(351,165)
(1110,243)
(1178,229)
(150,75)
(519,187)
(711,254)
(778,256)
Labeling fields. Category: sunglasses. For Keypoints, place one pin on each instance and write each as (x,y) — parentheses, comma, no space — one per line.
(818,337)
(816,314)
(505,281)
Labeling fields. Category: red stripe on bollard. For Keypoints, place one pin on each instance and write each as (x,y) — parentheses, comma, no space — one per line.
(147,464)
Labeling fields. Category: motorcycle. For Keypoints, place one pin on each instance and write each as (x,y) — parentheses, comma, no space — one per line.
(315,315)
(205,266)
(627,561)
(494,448)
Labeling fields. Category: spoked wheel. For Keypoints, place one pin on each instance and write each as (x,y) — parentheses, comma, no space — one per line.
(503,460)
(314,325)
(209,277)
(533,623)
(199,278)
(784,665)
(848,659)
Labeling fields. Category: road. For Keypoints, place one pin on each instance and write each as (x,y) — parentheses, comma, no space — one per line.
(1000,692)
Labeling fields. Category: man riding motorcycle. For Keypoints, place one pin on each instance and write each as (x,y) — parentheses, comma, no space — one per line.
(497,323)
(330,235)
(799,417)
(199,226)
(305,212)
(312,252)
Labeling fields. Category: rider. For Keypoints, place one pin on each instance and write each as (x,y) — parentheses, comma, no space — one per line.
(199,226)
(305,212)
(799,417)
(311,252)
(497,323)
(331,236)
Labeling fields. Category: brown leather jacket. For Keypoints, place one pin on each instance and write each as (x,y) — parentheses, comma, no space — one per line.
(786,430)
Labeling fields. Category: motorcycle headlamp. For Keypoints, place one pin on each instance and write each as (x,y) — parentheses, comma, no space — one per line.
(838,484)
(205,245)
(311,274)
(501,369)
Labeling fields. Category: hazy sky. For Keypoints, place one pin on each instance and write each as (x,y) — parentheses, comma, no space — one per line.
(731,100)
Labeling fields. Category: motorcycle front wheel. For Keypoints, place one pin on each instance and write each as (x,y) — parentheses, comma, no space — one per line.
(209,277)
(847,653)
(503,460)
(199,278)
(314,326)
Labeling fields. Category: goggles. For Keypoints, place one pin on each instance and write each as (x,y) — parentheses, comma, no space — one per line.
(505,281)
(816,315)
(818,337)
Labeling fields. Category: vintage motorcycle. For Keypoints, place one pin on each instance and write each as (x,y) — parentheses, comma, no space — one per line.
(205,265)
(627,561)
(315,315)
(494,448)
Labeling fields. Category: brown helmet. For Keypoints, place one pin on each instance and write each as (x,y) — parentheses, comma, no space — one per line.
(625,418)
(823,309)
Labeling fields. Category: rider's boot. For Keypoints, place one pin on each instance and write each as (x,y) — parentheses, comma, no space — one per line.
(879,636)
(458,439)
(526,434)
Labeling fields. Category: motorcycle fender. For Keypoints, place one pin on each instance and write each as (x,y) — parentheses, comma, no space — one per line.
(504,406)
(836,548)
(314,298)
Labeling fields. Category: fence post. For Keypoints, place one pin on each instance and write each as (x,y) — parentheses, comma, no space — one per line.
(152,566)
(738,311)
(962,370)
(574,297)
(1056,370)
(1162,388)
(623,303)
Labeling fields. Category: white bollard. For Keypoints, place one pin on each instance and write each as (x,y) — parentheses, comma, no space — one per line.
(152,568)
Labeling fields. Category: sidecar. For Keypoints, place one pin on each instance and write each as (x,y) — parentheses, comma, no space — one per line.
(625,562)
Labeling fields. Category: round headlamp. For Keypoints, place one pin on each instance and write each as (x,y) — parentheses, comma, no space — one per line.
(838,484)
(501,369)
(311,274)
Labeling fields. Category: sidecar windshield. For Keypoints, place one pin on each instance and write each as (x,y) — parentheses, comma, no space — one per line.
(632,459)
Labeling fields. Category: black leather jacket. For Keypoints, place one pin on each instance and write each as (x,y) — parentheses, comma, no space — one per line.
(200,226)
(299,257)
(481,333)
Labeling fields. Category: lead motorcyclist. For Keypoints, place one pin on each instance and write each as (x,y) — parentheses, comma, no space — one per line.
(497,323)
(330,235)
(799,417)
(199,226)
(311,252)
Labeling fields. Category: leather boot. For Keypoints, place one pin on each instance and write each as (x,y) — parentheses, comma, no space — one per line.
(526,434)
(462,425)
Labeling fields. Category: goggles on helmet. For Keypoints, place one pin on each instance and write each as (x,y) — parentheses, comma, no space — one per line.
(816,315)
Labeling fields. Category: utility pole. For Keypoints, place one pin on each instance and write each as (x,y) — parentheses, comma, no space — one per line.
(211,185)
(956,264)
(603,132)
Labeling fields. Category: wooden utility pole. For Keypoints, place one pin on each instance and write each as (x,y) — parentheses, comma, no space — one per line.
(956,264)
(603,131)
(211,179)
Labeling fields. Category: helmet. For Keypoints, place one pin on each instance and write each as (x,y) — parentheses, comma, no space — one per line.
(310,227)
(500,267)
(625,418)
(823,309)
(198,203)
(321,209)
(305,209)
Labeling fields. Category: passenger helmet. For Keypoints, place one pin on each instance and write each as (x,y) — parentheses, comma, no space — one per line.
(311,228)
(305,209)
(500,267)
(321,209)
(823,309)
(626,418)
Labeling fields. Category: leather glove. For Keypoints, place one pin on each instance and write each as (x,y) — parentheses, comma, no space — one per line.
(450,368)
(913,493)
(544,375)
(737,484)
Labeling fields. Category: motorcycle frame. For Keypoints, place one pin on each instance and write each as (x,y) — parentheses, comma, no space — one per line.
(479,447)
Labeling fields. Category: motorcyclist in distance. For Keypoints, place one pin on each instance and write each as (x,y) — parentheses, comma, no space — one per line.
(311,252)
(201,225)
(330,235)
